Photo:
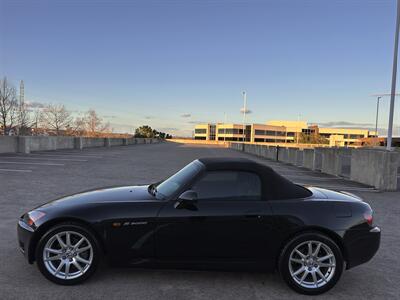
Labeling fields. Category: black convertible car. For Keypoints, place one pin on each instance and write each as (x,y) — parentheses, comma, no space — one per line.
(213,213)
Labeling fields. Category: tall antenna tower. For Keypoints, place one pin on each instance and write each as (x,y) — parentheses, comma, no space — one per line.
(21,92)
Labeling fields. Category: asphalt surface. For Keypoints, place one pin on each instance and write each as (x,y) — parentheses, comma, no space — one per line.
(29,180)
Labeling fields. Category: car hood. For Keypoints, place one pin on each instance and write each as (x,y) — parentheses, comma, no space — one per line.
(105,195)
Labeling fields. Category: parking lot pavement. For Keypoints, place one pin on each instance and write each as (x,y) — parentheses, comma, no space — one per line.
(29,180)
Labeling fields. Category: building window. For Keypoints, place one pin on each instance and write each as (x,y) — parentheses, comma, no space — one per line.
(230,131)
(269,132)
(199,137)
(356,136)
(212,132)
(200,131)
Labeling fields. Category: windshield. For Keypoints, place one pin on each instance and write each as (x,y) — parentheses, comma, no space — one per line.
(169,186)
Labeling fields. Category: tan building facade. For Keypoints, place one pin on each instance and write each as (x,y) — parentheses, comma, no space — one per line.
(204,132)
(278,131)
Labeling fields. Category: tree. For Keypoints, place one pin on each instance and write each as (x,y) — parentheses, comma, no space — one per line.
(94,125)
(312,139)
(56,117)
(144,131)
(23,119)
(36,118)
(8,106)
(78,127)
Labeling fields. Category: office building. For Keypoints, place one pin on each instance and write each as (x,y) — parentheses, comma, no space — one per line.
(278,131)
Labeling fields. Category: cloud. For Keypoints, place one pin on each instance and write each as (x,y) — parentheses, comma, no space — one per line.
(149,117)
(122,128)
(34,104)
(186,115)
(195,122)
(110,117)
(168,129)
(248,111)
(344,123)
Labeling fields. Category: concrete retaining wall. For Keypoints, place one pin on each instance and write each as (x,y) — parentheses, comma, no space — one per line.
(299,158)
(116,142)
(308,159)
(8,144)
(92,142)
(26,144)
(283,154)
(367,163)
(374,167)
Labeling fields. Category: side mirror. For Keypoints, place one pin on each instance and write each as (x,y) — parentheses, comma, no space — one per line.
(187,200)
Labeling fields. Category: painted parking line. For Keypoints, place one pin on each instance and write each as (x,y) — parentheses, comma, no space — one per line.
(61,155)
(38,158)
(65,153)
(30,163)
(15,170)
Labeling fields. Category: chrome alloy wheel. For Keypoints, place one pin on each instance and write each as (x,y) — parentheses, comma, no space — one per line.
(67,255)
(312,264)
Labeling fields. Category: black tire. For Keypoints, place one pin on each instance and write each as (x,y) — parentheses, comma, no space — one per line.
(302,241)
(94,253)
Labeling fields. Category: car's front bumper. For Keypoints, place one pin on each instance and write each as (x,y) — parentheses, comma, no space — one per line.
(361,245)
(25,234)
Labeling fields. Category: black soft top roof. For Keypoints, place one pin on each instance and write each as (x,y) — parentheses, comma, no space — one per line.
(274,185)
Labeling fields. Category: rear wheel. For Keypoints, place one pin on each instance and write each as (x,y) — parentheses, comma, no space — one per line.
(311,263)
(67,254)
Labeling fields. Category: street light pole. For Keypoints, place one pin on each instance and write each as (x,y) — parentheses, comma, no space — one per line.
(244,115)
(394,74)
(224,127)
(377,113)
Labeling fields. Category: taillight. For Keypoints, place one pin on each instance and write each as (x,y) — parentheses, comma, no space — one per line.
(33,216)
(369,218)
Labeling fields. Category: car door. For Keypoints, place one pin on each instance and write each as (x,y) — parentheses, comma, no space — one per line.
(231,220)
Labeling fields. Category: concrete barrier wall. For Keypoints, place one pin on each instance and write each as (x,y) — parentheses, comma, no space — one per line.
(299,157)
(116,142)
(283,155)
(336,161)
(308,159)
(344,162)
(378,168)
(42,143)
(26,144)
(8,144)
(366,164)
(92,142)
(292,155)
(318,159)
(329,163)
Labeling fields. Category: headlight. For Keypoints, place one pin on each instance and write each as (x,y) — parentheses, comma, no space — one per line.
(32,216)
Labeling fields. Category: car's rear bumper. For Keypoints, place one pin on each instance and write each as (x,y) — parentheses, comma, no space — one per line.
(361,245)
(25,234)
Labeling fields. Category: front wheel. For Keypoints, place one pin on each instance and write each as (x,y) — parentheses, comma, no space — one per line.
(311,263)
(67,254)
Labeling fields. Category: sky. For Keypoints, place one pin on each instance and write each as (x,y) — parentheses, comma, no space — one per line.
(172,64)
